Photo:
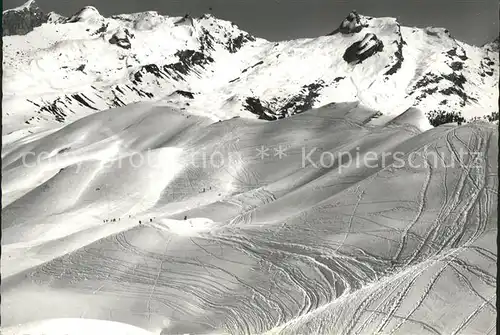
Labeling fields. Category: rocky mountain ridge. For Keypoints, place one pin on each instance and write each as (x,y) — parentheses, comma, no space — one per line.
(70,67)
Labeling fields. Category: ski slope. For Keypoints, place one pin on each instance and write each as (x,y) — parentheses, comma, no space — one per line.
(213,234)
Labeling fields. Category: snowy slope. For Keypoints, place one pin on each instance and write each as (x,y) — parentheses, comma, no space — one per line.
(71,67)
(214,234)
(23,19)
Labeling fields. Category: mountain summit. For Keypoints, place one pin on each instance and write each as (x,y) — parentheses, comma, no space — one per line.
(70,67)
(23,19)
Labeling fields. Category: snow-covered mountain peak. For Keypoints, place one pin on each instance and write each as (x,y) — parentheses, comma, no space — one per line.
(70,67)
(30,4)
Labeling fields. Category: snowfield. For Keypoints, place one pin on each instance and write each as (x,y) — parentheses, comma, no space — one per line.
(136,202)
(75,327)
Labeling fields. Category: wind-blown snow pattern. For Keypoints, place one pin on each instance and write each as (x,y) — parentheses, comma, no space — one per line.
(195,243)
(145,189)
(22,19)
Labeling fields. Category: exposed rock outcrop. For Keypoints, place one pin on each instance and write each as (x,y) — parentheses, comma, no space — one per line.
(190,61)
(302,101)
(255,106)
(439,117)
(122,39)
(363,49)
(437,32)
(398,55)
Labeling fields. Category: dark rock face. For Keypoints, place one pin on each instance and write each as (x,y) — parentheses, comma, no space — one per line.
(232,43)
(55,110)
(279,108)
(61,107)
(487,67)
(101,30)
(122,39)
(428,79)
(351,24)
(458,92)
(492,117)
(399,58)
(304,100)
(82,101)
(21,22)
(428,85)
(363,49)
(457,79)
(255,106)
(235,44)
(188,59)
(457,89)
(55,18)
(493,46)
(186,94)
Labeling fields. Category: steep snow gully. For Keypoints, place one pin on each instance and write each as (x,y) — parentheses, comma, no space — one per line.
(348,213)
